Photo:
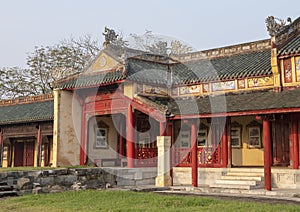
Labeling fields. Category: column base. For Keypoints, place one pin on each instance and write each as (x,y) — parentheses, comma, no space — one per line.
(163,181)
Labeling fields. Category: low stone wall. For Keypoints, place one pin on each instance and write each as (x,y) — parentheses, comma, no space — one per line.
(46,181)
(286,178)
(283,178)
(206,176)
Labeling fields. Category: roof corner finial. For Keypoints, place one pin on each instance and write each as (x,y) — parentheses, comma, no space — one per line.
(109,35)
(276,25)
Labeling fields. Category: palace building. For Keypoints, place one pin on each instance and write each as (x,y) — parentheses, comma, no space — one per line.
(225,111)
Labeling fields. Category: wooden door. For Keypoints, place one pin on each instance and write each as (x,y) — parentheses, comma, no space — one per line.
(18,153)
(46,154)
(281,142)
(29,154)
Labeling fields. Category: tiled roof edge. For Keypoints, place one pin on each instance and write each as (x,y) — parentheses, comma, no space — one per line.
(225,51)
(26,100)
(20,121)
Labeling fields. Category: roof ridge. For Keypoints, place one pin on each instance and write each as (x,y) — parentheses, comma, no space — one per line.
(26,100)
(243,48)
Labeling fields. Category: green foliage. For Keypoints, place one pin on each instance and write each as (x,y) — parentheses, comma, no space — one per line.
(108,200)
(46,65)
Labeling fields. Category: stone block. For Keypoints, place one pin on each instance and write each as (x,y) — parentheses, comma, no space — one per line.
(94,184)
(163,181)
(45,181)
(37,190)
(126,182)
(61,171)
(81,172)
(24,183)
(65,180)
(57,188)
(145,182)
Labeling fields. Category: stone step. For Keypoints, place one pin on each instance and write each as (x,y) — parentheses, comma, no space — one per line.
(6,188)
(237,182)
(8,193)
(247,170)
(3,183)
(231,186)
(249,174)
(236,177)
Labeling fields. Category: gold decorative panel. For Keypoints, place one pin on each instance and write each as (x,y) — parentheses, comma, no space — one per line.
(260,82)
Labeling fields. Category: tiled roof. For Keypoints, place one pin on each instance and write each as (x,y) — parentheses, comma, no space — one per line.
(29,112)
(91,80)
(159,70)
(147,71)
(242,102)
(224,68)
(292,47)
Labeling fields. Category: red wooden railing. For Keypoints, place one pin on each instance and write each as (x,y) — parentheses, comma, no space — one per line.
(181,157)
(146,157)
(207,156)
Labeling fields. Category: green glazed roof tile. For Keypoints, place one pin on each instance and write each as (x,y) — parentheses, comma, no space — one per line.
(292,47)
(263,100)
(22,113)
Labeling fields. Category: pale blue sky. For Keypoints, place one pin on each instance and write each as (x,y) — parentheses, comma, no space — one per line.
(203,24)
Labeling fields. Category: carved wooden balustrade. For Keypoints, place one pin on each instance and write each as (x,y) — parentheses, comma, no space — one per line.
(146,157)
(207,156)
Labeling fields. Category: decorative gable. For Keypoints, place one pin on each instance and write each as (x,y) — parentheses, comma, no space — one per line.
(104,62)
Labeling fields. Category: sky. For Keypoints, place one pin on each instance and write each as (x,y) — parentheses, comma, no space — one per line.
(25,24)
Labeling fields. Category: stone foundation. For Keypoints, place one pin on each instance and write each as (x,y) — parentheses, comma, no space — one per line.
(283,178)
(47,181)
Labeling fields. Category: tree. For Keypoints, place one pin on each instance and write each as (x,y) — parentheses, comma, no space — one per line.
(160,45)
(46,65)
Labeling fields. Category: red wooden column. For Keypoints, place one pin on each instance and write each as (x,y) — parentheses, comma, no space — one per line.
(130,137)
(162,128)
(39,140)
(1,147)
(194,153)
(267,153)
(295,142)
(228,124)
(83,137)
(224,145)
(121,138)
(170,133)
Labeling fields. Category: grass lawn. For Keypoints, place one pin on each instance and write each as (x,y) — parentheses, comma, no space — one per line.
(107,200)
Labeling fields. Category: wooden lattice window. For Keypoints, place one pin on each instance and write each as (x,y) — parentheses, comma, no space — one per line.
(254,135)
(101,135)
(202,137)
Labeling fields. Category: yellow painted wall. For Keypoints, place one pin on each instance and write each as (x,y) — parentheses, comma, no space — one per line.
(102,153)
(128,89)
(246,156)
(67,129)
(104,63)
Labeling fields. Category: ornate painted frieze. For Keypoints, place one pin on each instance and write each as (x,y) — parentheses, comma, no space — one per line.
(223,86)
(155,90)
(287,70)
(297,64)
(192,89)
(241,84)
(260,82)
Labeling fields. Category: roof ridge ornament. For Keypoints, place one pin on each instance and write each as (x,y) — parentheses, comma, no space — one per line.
(109,36)
(276,25)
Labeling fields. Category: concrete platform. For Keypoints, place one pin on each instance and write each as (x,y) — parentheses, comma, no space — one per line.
(276,195)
